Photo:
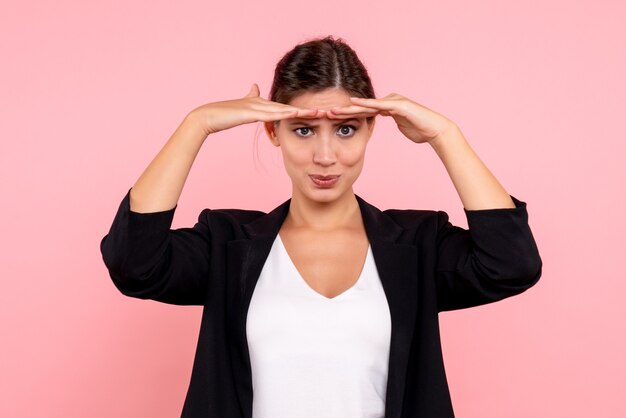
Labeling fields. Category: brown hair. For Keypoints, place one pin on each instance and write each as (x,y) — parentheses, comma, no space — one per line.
(317,65)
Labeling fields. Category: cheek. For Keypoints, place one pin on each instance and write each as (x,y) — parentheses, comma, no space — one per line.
(295,156)
(353,154)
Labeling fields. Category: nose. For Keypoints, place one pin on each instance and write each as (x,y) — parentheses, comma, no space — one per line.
(324,152)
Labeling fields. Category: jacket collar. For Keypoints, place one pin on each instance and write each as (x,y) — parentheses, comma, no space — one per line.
(378,225)
(396,263)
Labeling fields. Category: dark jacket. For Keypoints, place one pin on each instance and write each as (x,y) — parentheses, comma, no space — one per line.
(425,263)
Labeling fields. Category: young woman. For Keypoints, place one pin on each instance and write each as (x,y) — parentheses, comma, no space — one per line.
(326,306)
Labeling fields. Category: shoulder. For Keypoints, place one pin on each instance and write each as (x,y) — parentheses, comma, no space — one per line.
(232,216)
(405,219)
(405,216)
(245,222)
(415,218)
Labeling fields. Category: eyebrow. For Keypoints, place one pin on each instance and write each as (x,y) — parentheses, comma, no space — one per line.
(297,121)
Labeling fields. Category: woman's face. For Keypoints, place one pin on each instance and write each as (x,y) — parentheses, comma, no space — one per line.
(322,147)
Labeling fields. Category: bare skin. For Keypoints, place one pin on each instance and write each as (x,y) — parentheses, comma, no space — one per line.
(330,262)
(323,232)
(329,250)
(160,185)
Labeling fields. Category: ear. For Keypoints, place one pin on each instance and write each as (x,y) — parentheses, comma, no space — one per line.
(270,129)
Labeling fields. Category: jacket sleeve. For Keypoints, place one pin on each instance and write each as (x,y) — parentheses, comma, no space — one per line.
(148,260)
(496,258)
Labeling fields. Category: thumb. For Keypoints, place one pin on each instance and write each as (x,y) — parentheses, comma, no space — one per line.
(254,91)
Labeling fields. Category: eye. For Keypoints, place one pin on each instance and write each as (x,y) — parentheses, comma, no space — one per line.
(300,134)
(342,129)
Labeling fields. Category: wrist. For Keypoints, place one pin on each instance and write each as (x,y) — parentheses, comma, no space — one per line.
(195,122)
(449,136)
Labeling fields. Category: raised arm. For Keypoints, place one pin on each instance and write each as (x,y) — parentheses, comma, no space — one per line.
(161,184)
(145,258)
(477,187)
(497,257)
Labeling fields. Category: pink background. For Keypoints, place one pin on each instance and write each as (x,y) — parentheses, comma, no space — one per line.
(90,91)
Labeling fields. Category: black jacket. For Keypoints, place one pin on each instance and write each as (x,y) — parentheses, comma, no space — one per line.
(426,265)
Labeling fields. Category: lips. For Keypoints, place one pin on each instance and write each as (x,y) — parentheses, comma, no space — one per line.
(328,177)
(326,181)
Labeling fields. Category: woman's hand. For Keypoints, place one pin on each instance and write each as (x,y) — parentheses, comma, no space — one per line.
(476,185)
(218,116)
(160,185)
(416,122)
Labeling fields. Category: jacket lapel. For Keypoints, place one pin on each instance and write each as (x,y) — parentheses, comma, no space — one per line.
(397,268)
(245,261)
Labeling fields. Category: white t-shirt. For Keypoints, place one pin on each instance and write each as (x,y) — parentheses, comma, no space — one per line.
(314,356)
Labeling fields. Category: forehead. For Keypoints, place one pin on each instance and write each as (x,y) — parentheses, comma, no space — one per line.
(323,100)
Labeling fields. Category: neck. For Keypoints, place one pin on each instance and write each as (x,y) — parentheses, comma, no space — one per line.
(323,216)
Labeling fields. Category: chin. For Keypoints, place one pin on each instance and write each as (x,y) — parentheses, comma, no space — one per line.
(325,195)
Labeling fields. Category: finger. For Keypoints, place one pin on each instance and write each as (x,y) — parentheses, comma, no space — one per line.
(351,109)
(272,116)
(374,103)
(267,105)
(334,116)
(267,116)
(331,115)
(309,113)
(345,112)
(280,107)
(254,91)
